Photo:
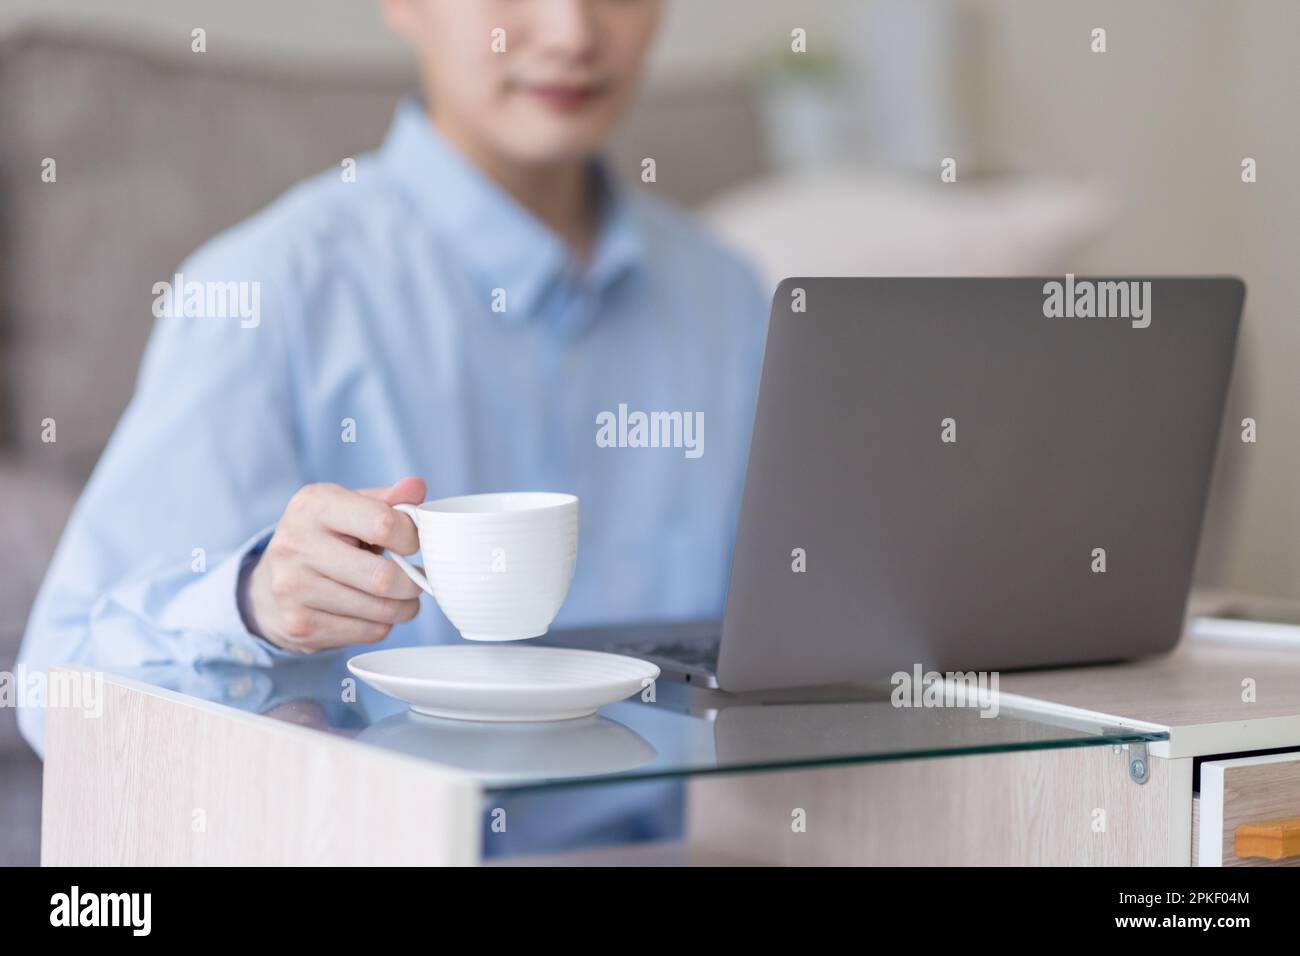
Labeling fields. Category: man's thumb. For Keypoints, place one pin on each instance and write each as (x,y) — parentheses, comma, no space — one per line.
(409,491)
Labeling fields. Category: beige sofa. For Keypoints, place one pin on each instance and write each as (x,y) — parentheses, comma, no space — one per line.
(155,152)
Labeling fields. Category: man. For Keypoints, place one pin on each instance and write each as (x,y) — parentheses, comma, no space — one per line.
(451,320)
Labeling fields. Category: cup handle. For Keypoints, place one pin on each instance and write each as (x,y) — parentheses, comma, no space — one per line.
(412,572)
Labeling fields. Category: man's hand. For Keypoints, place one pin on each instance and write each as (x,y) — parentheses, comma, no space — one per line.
(322,581)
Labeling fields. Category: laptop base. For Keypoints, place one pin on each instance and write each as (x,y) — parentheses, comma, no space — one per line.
(685,651)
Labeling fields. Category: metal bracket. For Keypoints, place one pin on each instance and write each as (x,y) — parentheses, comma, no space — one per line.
(1139,764)
(1139,761)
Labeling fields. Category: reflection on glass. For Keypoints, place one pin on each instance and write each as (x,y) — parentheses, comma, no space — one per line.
(683,731)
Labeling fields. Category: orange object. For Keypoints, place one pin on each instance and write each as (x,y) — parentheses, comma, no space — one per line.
(1271,839)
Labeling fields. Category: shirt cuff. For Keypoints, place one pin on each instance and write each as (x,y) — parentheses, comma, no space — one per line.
(214,605)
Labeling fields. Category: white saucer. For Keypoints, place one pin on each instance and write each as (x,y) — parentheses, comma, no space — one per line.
(467,682)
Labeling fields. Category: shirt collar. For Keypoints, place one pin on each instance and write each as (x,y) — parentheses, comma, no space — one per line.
(503,244)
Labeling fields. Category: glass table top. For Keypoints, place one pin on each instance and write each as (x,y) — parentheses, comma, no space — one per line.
(683,731)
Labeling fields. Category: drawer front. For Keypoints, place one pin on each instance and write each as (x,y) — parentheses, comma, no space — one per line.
(1249,811)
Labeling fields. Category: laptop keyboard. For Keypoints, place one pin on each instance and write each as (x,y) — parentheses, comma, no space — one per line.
(694,654)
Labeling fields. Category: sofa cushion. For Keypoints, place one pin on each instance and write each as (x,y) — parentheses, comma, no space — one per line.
(154,154)
(878,223)
(36,507)
(30,530)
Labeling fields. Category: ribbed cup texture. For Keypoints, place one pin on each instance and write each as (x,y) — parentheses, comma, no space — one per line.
(502,574)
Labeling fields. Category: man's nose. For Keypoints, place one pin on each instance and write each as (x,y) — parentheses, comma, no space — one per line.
(567,27)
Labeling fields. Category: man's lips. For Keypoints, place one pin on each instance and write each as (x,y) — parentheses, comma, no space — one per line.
(565,97)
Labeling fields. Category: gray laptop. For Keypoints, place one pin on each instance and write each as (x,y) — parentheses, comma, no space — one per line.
(965,474)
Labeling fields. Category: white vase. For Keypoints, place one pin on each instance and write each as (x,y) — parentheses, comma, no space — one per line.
(801,122)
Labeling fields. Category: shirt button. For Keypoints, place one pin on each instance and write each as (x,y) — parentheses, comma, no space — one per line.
(239,688)
(240,653)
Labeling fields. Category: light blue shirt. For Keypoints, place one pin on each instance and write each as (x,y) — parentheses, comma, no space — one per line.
(413,319)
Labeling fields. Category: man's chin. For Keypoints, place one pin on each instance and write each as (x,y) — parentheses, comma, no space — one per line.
(552,141)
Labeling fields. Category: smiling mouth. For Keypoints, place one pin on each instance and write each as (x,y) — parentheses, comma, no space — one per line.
(565,97)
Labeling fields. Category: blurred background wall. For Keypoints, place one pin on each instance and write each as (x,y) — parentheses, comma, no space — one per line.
(1127,161)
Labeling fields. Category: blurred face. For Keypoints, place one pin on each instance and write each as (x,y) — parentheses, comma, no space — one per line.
(530,81)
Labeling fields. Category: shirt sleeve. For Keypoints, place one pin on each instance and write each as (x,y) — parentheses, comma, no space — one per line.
(193,479)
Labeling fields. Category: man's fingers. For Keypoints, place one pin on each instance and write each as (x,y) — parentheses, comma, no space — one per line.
(360,569)
(323,581)
(314,630)
(410,491)
(362,517)
(405,491)
(327,595)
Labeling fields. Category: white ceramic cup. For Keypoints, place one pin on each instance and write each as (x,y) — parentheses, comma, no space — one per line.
(498,565)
